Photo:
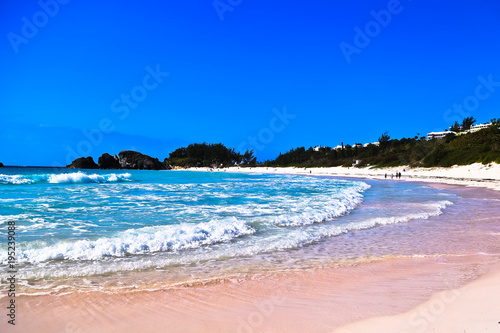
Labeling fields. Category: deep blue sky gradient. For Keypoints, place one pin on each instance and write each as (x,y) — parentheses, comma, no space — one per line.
(227,76)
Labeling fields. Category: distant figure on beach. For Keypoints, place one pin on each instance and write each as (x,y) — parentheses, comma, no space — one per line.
(392,176)
(386,175)
(310,171)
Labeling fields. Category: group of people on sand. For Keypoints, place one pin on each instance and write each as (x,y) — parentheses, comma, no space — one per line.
(398,175)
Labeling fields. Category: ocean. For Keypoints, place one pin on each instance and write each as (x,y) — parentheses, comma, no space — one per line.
(136,229)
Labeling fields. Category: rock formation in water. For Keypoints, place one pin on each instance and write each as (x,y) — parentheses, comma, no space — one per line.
(134,160)
(83,163)
(126,159)
(106,161)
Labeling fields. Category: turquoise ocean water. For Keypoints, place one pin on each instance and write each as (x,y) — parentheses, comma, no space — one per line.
(74,227)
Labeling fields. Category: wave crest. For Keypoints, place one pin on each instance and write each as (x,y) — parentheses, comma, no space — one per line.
(144,240)
(348,200)
(64,178)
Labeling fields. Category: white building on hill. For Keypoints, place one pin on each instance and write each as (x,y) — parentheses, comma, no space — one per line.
(478,127)
(437,135)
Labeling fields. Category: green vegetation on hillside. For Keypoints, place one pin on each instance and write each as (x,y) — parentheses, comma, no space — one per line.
(208,155)
(456,148)
(482,146)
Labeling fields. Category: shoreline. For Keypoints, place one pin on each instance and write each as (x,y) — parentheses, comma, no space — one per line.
(474,175)
(384,293)
(389,293)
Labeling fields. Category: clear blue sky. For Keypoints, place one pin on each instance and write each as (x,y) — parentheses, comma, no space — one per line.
(156,75)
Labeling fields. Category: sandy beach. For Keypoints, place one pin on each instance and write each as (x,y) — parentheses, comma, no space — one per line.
(430,293)
(474,175)
(314,301)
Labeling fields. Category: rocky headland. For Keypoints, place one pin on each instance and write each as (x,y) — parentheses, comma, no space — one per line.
(126,159)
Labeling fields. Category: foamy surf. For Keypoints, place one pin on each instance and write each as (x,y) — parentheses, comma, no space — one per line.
(330,208)
(63,178)
(141,241)
(80,177)
(98,223)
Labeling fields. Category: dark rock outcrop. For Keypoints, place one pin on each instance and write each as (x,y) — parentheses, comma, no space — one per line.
(167,165)
(83,163)
(106,161)
(127,159)
(134,160)
(1,165)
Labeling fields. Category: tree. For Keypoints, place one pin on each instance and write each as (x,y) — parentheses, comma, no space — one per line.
(204,154)
(384,139)
(248,156)
(456,127)
(467,123)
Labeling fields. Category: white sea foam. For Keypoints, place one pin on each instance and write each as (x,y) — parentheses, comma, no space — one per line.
(300,237)
(15,179)
(144,240)
(80,177)
(82,230)
(428,210)
(179,237)
(63,178)
(330,208)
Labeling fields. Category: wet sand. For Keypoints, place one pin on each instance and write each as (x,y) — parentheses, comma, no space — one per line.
(309,301)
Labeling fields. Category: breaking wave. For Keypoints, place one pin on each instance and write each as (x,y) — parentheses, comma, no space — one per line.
(64,178)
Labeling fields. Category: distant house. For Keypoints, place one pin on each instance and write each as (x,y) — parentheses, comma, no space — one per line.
(317,148)
(339,147)
(438,135)
(478,127)
(376,143)
(473,128)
